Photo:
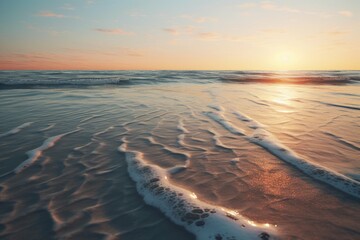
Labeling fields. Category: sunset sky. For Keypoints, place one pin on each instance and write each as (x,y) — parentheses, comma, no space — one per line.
(180,34)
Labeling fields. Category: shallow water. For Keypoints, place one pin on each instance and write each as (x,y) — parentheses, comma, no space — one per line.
(280,158)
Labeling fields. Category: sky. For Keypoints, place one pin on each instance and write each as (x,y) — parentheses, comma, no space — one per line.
(179,35)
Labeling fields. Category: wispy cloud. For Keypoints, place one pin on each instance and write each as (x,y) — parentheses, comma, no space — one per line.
(337,32)
(274,30)
(50,14)
(172,31)
(209,36)
(113,31)
(179,30)
(195,33)
(280,8)
(199,19)
(247,5)
(271,6)
(116,52)
(30,56)
(68,7)
(133,52)
(346,13)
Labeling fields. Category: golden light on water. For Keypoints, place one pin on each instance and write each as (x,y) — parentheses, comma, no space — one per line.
(284,97)
(193,195)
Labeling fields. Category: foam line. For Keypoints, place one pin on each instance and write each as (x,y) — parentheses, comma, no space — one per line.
(251,122)
(34,155)
(266,140)
(16,130)
(269,142)
(183,207)
(219,118)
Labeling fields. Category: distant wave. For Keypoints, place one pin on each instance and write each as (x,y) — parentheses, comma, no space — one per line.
(296,77)
(48,79)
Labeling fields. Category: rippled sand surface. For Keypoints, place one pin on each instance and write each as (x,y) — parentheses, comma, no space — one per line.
(180,160)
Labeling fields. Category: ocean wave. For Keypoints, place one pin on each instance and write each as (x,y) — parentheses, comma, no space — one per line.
(183,207)
(34,155)
(271,144)
(44,79)
(16,129)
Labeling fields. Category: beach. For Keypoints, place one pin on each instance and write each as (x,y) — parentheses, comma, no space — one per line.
(179,155)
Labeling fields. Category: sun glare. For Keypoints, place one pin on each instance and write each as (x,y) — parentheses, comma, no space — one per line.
(284,60)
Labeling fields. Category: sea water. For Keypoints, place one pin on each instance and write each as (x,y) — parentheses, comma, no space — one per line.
(179,155)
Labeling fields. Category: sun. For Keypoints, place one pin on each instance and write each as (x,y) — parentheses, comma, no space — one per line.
(284,60)
(285,57)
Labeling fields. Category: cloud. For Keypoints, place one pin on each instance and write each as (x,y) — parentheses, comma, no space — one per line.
(68,7)
(209,36)
(115,52)
(346,13)
(30,56)
(247,5)
(337,33)
(50,14)
(179,30)
(114,31)
(195,33)
(274,7)
(268,5)
(172,31)
(199,19)
(204,19)
(274,30)
(271,6)
(133,52)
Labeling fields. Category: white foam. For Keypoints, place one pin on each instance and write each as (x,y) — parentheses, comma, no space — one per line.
(16,130)
(218,117)
(183,207)
(34,155)
(266,140)
(251,122)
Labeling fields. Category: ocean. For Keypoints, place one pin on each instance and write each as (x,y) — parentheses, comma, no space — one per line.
(140,155)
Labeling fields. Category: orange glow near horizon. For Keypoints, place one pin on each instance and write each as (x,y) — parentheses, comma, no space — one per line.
(208,35)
